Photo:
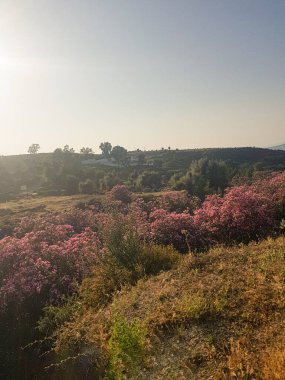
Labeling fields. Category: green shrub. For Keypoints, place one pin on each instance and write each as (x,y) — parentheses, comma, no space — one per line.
(126,348)
(55,316)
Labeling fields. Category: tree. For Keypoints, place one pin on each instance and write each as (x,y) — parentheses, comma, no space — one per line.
(204,176)
(119,154)
(149,180)
(86,151)
(34,148)
(106,148)
(67,149)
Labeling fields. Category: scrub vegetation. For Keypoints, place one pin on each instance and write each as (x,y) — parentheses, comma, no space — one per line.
(173,284)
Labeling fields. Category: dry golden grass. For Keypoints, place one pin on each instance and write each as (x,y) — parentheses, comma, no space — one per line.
(29,204)
(220,315)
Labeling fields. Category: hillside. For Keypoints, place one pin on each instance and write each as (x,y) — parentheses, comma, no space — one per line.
(278,147)
(217,316)
(67,173)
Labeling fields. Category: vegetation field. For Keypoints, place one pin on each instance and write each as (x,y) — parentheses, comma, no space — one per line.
(136,285)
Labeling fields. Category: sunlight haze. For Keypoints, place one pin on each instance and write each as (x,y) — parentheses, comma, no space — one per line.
(141,74)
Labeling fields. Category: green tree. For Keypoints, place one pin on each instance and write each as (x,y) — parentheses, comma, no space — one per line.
(34,148)
(119,154)
(204,176)
(106,148)
(87,151)
(141,158)
(149,180)
(67,149)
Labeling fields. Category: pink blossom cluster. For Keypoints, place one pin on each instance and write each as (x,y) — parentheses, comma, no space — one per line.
(50,261)
(120,193)
(241,215)
(167,228)
(244,213)
(177,201)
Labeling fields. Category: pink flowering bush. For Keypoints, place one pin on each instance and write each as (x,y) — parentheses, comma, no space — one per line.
(273,187)
(240,216)
(244,213)
(48,263)
(120,193)
(177,201)
(167,228)
(138,218)
(78,219)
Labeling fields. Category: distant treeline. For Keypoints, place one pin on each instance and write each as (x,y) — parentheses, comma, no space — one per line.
(199,171)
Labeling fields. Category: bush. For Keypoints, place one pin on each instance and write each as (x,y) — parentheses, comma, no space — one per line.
(177,201)
(126,259)
(240,216)
(120,193)
(126,348)
(167,228)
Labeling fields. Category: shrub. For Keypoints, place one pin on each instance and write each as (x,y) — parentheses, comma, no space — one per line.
(120,193)
(166,228)
(240,216)
(56,316)
(126,348)
(177,201)
(125,260)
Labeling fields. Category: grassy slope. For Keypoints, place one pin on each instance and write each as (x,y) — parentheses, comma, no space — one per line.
(218,316)
(28,204)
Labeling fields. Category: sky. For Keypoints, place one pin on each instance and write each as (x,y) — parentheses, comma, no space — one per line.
(141,73)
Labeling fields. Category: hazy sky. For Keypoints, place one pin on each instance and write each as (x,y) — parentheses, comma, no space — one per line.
(141,73)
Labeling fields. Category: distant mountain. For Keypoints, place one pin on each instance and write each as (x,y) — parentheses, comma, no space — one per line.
(278,147)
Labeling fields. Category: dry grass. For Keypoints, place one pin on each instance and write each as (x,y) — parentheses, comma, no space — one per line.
(218,316)
(29,204)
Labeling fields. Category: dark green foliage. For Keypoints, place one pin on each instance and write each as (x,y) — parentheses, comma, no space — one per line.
(119,154)
(203,177)
(108,181)
(47,173)
(106,148)
(149,180)
(55,316)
